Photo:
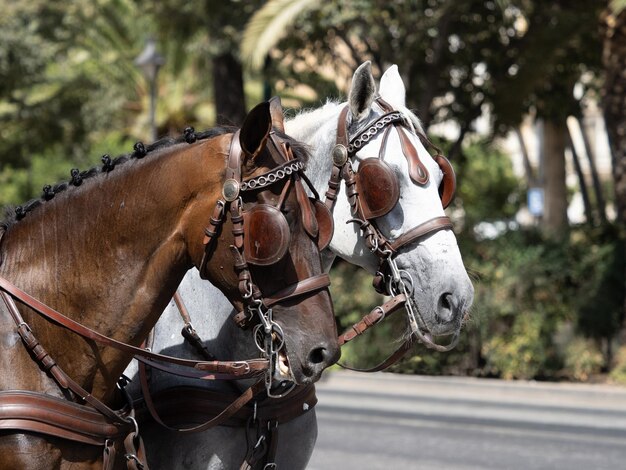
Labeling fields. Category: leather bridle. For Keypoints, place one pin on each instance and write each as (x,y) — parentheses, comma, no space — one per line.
(389,279)
(267,334)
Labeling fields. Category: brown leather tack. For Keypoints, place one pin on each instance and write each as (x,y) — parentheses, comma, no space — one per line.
(325,223)
(37,412)
(447,188)
(267,235)
(377,187)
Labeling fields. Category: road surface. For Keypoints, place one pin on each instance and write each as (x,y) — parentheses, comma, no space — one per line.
(389,421)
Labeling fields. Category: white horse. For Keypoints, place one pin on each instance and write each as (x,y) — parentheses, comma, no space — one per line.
(442,291)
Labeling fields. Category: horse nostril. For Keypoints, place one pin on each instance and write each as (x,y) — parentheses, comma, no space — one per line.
(323,356)
(446,309)
(318,355)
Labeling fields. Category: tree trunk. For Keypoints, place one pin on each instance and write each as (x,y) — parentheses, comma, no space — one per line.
(531,180)
(230,103)
(614,106)
(597,187)
(581,181)
(614,101)
(555,211)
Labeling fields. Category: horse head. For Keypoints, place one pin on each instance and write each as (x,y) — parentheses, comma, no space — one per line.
(286,291)
(402,192)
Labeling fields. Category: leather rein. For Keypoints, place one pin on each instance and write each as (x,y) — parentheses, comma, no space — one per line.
(389,279)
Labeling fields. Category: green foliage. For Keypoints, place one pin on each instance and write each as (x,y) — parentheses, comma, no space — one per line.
(582,359)
(520,300)
(520,352)
(602,271)
(618,374)
(455,56)
(489,190)
(63,85)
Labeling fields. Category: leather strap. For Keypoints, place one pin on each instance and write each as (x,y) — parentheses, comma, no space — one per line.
(220,367)
(191,405)
(376,315)
(391,360)
(188,332)
(218,420)
(48,364)
(45,414)
(428,227)
(306,286)
(417,170)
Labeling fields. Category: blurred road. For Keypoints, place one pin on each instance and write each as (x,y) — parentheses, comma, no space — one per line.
(389,421)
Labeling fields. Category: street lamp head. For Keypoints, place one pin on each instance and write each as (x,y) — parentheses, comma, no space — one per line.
(149,61)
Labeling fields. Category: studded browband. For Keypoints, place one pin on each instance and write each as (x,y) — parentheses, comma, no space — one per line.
(344,150)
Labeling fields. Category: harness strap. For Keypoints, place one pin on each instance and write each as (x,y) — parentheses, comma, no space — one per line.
(44,359)
(391,360)
(236,368)
(189,332)
(306,286)
(417,170)
(46,414)
(192,405)
(376,315)
(428,227)
(221,418)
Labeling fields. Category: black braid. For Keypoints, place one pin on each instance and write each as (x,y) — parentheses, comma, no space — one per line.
(20,213)
(48,192)
(190,135)
(107,163)
(77,179)
(139,150)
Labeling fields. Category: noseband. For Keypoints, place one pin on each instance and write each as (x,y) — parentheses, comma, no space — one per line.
(372,192)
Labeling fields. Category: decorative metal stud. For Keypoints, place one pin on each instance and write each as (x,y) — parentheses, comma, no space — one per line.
(340,155)
(230,190)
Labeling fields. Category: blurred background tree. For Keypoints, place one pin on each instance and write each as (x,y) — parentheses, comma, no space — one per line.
(549,299)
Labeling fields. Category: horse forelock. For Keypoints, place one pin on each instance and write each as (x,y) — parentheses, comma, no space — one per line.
(300,150)
(13,214)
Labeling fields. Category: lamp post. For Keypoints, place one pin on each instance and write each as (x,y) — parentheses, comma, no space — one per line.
(150,61)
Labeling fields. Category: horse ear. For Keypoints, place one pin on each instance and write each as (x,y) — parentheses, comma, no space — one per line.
(255,130)
(276,110)
(392,87)
(362,91)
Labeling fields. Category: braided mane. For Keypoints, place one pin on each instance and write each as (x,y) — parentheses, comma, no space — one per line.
(14,214)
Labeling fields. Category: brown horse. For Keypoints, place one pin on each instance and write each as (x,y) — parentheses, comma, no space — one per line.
(109,251)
